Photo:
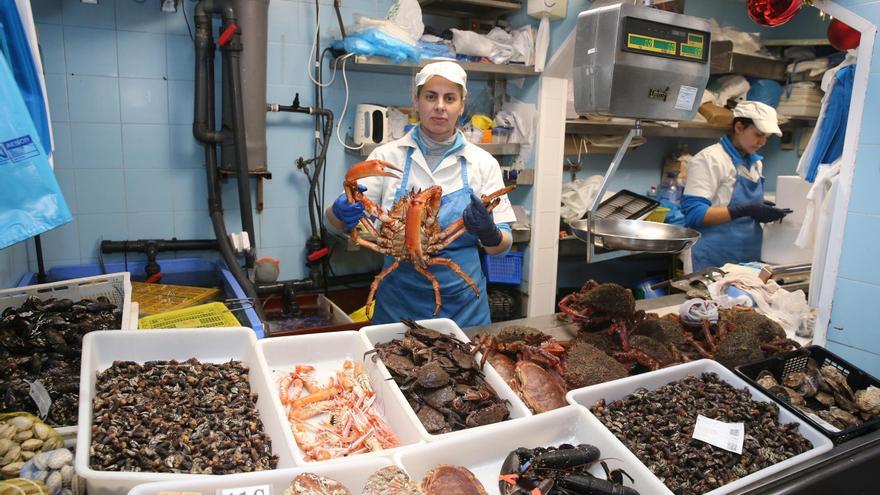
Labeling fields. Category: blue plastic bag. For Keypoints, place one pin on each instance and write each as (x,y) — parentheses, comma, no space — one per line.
(15,46)
(30,200)
(374,41)
(765,91)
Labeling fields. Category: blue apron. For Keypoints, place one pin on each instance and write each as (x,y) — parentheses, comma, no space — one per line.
(406,293)
(740,239)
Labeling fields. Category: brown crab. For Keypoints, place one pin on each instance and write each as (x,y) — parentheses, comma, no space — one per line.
(535,374)
(451,480)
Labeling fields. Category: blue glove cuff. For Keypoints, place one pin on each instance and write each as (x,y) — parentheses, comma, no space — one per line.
(491,239)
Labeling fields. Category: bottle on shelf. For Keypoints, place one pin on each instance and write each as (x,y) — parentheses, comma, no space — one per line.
(670,192)
(652,193)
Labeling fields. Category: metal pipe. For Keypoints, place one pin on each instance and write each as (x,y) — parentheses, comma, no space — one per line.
(307,284)
(108,247)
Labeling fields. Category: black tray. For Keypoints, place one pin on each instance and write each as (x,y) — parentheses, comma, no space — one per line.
(783,364)
(625,205)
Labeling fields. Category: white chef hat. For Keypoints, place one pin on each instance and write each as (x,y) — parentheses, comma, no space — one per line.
(450,71)
(763,115)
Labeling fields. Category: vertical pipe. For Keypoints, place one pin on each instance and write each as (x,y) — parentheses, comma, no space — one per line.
(41,269)
(232,57)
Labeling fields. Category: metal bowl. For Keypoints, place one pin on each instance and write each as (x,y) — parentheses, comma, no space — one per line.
(635,235)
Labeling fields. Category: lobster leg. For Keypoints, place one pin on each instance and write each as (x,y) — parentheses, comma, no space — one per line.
(434,283)
(375,285)
(457,269)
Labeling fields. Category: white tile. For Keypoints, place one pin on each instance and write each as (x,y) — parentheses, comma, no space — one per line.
(549,201)
(542,299)
(546,230)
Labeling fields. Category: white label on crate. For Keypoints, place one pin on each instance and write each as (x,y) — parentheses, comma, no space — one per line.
(824,424)
(40,396)
(245,490)
(686,97)
(728,436)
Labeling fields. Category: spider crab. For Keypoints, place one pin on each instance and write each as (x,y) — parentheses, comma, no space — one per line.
(410,231)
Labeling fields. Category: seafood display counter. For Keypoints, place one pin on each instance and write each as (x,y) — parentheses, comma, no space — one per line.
(851,464)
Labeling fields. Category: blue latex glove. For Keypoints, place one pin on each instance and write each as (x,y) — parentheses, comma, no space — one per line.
(348,214)
(759,211)
(478,221)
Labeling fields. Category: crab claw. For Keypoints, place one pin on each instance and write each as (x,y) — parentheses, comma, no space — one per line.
(371,168)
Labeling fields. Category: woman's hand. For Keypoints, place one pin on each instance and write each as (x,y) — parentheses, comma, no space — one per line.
(348,214)
(478,221)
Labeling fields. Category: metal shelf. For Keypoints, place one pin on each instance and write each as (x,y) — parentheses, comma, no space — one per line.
(497,149)
(475,70)
(684,130)
(465,8)
(797,42)
(725,61)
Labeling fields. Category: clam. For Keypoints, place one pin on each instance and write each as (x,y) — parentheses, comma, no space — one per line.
(766,380)
(868,400)
(835,379)
(825,399)
(844,417)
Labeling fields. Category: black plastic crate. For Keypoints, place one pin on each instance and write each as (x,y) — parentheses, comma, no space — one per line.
(624,205)
(783,364)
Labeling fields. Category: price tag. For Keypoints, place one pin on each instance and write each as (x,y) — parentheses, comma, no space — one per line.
(687,95)
(727,436)
(40,396)
(246,490)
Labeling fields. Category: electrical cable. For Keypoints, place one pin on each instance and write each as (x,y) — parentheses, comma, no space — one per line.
(314,49)
(345,107)
(186,18)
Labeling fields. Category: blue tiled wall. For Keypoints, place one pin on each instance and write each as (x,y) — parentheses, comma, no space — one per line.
(120,82)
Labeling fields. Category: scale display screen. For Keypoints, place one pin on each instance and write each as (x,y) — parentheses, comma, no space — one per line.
(663,40)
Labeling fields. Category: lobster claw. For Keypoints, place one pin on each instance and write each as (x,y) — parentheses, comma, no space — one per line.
(511,470)
(371,168)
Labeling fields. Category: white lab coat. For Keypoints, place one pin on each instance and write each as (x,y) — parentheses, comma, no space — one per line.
(711,175)
(484,174)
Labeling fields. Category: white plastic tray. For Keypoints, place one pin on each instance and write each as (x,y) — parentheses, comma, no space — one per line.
(484,450)
(353,474)
(216,345)
(616,389)
(377,334)
(115,286)
(327,352)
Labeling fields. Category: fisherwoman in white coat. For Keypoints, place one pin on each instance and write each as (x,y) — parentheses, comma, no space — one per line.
(724,195)
(436,153)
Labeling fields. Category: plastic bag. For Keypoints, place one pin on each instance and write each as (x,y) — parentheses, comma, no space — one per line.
(523,45)
(478,45)
(578,196)
(374,41)
(55,469)
(765,91)
(31,202)
(408,15)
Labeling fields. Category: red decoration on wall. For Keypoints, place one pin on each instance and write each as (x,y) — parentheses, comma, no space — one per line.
(843,37)
(773,12)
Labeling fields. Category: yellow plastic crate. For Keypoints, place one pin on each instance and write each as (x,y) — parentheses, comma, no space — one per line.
(214,314)
(161,298)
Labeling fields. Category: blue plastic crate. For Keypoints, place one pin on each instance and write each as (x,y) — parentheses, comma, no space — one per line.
(503,270)
(180,271)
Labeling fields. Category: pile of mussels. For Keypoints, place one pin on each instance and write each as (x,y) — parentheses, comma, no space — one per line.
(42,340)
(657,426)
